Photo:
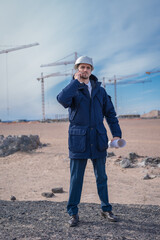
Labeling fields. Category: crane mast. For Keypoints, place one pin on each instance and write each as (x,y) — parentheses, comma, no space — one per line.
(114,80)
(43,99)
(42,87)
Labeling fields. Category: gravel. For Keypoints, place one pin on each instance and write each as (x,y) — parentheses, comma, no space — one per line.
(45,220)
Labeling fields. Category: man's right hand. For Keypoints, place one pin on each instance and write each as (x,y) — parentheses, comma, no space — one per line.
(78,76)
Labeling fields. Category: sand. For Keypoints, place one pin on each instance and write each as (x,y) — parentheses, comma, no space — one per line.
(27,175)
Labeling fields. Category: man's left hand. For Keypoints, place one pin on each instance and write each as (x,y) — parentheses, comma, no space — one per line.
(115,138)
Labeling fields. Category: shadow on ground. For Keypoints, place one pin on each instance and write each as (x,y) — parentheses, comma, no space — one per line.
(45,220)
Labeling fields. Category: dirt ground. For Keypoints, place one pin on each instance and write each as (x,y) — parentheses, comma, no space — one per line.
(27,175)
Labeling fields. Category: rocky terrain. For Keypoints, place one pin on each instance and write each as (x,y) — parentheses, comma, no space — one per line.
(23,143)
(44,220)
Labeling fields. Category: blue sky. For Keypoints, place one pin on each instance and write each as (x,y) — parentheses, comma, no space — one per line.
(122,37)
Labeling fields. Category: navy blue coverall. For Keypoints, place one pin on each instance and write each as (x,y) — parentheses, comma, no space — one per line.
(88,136)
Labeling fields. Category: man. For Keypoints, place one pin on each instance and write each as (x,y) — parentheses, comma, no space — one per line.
(88,104)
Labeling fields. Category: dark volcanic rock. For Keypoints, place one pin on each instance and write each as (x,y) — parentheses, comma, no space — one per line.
(28,143)
(24,143)
(153,162)
(49,220)
(133,156)
(110,154)
(125,163)
(146,177)
(48,194)
(57,190)
(13,198)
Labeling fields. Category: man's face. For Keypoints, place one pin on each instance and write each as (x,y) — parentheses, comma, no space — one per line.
(85,70)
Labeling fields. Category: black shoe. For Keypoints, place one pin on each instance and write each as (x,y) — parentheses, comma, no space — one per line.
(111,217)
(73,222)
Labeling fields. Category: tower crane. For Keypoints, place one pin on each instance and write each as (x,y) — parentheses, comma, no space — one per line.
(113,81)
(57,74)
(11,50)
(53,75)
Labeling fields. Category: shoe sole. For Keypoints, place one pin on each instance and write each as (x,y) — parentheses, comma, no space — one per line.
(73,225)
(112,220)
(109,219)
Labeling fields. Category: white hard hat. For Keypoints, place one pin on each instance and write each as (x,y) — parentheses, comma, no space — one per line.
(83,59)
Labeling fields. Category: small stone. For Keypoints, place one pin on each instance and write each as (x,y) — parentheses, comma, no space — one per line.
(45,144)
(133,156)
(141,164)
(57,190)
(110,154)
(125,163)
(48,194)
(13,198)
(1,138)
(153,162)
(146,177)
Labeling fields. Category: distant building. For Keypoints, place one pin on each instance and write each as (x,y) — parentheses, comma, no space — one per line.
(151,114)
(129,116)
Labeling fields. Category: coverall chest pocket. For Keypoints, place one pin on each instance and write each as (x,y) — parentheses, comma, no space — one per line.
(77,139)
(102,140)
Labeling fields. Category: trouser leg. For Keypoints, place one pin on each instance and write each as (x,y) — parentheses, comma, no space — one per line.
(101,180)
(77,169)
